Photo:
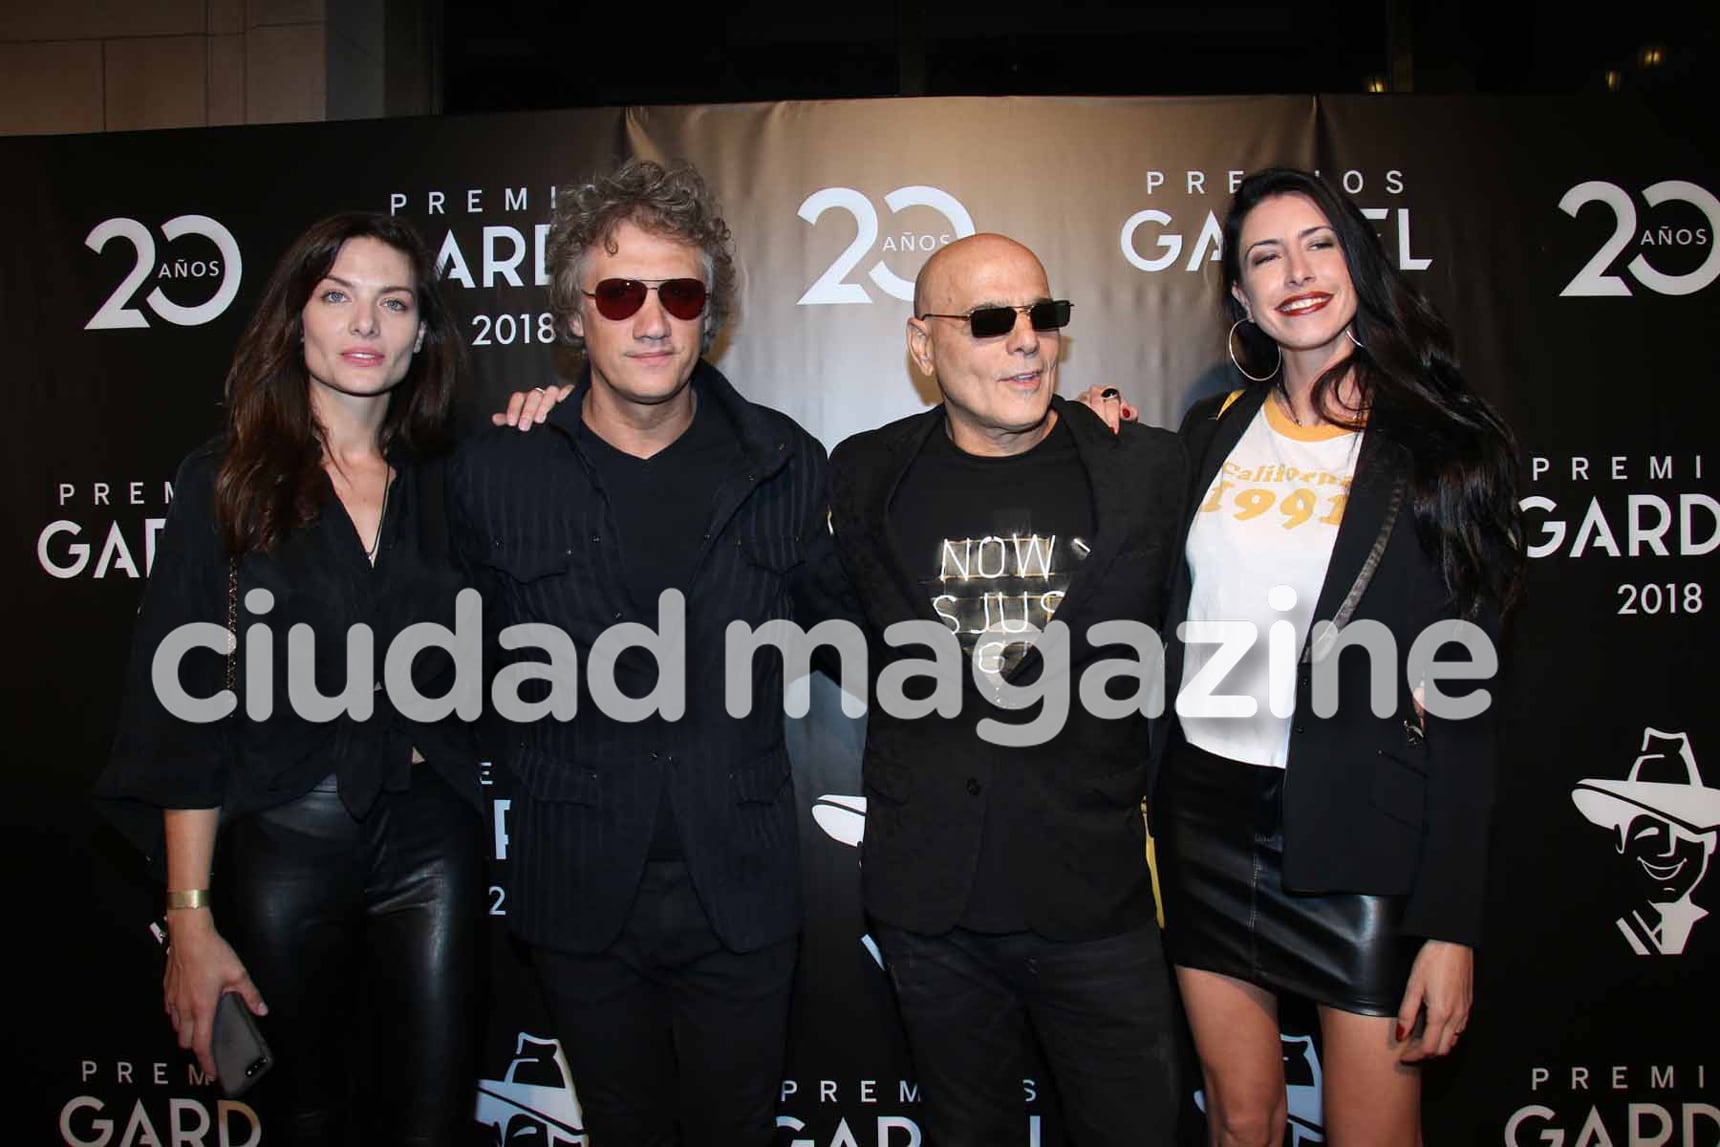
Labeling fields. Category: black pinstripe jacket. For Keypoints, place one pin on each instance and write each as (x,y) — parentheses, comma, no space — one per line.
(530,517)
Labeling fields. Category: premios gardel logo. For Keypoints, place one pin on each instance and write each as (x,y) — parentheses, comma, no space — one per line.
(1687,228)
(1665,823)
(209,271)
(145,1102)
(533,1101)
(832,287)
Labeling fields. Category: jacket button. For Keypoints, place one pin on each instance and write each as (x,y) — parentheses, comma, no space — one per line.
(1300,728)
(973,786)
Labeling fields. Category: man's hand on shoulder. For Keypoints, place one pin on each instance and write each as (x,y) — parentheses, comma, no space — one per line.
(528,408)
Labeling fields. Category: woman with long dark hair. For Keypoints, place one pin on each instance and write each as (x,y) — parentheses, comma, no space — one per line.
(1357,492)
(341,832)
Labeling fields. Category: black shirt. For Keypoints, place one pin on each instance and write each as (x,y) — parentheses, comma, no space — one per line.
(992,543)
(661,506)
(319,576)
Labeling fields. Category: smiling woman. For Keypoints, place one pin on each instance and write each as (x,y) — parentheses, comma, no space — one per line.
(1335,855)
(340,845)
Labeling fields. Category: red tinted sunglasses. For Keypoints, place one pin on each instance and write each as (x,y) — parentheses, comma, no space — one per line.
(621,298)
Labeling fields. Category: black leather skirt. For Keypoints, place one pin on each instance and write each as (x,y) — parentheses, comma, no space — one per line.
(1219,832)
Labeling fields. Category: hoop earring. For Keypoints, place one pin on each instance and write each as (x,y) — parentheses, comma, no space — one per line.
(1351,331)
(1230,346)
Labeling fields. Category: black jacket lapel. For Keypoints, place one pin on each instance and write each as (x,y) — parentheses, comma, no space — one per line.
(1114,502)
(1377,469)
(891,595)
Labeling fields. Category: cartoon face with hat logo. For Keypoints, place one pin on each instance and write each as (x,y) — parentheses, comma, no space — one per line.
(1666,823)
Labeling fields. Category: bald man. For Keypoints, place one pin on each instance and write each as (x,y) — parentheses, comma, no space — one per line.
(1007,882)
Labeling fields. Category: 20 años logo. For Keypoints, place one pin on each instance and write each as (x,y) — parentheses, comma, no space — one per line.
(1594,281)
(832,286)
(226,268)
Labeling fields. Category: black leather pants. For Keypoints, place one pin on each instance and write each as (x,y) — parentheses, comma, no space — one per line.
(365,939)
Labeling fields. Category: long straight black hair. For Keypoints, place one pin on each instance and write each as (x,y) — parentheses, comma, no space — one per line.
(1464,470)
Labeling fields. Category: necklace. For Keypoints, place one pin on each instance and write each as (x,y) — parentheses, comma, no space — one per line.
(1284,401)
(376,542)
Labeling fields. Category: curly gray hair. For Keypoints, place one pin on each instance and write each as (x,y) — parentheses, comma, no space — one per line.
(673,201)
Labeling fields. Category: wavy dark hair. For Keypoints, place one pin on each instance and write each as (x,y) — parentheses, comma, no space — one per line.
(673,201)
(1464,469)
(269,482)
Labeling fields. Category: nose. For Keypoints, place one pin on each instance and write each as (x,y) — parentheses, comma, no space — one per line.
(1297,268)
(1023,339)
(652,321)
(364,320)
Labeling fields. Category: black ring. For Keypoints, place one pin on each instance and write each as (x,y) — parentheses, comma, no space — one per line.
(1110,392)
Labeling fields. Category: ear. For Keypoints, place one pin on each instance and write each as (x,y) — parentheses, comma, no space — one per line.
(419,345)
(1242,300)
(920,346)
(576,321)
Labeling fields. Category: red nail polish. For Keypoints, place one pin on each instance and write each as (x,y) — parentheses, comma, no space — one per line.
(1401,1032)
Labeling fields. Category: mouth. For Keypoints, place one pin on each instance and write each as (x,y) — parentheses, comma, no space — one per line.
(1026,380)
(1304,304)
(1662,873)
(362,357)
(652,357)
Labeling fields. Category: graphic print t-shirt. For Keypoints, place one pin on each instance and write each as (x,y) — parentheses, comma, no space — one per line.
(1258,550)
(992,544)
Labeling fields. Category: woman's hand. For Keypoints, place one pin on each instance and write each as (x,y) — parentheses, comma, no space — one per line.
(200,967)
(1108,404)
(1443,982)
(528,408)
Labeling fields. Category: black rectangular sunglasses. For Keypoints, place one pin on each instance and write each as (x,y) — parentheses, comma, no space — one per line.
(989,322)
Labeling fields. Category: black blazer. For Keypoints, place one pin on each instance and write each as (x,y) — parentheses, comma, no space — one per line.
(1371,804)
(1080,864)
(531,517)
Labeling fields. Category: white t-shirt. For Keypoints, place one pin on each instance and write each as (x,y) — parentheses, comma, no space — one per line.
(1257,552)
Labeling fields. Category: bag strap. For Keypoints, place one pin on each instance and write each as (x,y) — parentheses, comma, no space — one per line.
(232,622)
(1347,609)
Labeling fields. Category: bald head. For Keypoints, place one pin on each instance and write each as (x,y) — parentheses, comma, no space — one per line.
(997,387)
(943,276)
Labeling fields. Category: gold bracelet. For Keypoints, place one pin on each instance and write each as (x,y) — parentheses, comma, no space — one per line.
(188,898)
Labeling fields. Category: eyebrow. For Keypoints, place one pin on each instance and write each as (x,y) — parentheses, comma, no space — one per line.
(1303,234)
(353,286)
(1001,303)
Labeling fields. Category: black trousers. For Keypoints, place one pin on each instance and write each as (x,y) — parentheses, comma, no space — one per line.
(363,934)
(1102,1012)
(671,1037)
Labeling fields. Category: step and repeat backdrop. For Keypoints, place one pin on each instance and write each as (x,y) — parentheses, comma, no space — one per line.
(1571,243)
